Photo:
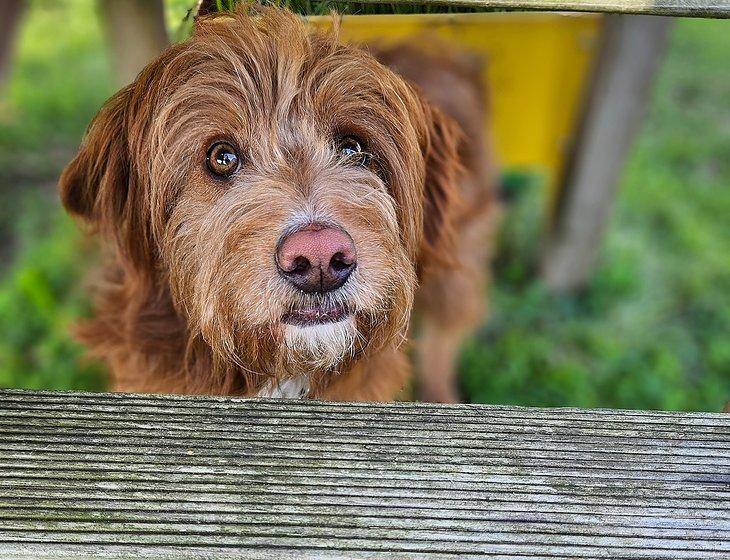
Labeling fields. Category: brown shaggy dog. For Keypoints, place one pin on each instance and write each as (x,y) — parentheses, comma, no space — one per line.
(271,198)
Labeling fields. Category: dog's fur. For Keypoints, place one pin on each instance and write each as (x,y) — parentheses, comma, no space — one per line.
(191,301)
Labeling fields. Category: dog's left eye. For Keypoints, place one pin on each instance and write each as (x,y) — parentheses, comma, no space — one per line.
(222,159)
(352,149)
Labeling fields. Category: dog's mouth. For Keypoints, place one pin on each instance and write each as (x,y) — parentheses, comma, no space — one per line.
(316,314)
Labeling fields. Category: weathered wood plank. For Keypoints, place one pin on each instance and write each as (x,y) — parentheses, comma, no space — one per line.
(690,8)
(141,476)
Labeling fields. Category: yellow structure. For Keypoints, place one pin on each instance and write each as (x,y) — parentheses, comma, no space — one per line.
(536,68)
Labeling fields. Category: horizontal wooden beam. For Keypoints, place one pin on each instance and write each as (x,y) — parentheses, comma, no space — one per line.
(688,8)
(140,476)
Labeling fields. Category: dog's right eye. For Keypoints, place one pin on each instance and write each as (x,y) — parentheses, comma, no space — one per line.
(222,160)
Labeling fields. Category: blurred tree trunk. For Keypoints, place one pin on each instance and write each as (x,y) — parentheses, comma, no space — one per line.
(631,52)
(10,12)
(136,34)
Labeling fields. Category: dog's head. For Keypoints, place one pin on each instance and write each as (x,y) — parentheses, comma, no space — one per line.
(282,185)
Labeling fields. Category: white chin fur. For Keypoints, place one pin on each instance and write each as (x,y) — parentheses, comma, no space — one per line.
(292,388)
(321,346)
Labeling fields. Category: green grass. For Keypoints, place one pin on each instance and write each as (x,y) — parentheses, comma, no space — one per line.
(651,331)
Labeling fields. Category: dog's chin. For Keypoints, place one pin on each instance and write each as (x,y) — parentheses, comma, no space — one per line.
(319,336)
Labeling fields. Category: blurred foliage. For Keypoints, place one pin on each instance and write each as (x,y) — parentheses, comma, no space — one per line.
(60,77)
(651,331)
(41,296)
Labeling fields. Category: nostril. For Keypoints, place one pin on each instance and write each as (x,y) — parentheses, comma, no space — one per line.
(300,265)
(339,263)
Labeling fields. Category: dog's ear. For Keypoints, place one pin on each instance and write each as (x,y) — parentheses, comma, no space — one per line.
(443,170)
(101,184)
(94,185)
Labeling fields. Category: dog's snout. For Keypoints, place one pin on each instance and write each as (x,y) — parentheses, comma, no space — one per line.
(317,258)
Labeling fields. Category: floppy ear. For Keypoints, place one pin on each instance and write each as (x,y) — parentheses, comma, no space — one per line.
(94,185)
(101,186)
(441,190)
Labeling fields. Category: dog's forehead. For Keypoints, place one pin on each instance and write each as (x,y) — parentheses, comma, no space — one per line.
(239,77)
(281,92)
(277,54)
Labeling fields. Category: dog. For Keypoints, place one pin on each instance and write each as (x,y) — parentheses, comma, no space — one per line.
(273,204)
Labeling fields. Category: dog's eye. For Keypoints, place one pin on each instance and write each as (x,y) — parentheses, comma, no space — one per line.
(223,159)
(352,150)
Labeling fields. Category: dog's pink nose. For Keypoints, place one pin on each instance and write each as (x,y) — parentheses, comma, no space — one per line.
(317,258)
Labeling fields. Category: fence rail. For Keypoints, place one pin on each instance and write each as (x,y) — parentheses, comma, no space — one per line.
(690,8)
(139,476)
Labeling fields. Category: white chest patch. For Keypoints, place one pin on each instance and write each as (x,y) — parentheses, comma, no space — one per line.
(292,388)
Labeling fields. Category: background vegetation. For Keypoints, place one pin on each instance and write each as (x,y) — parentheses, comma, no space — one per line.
(651,331)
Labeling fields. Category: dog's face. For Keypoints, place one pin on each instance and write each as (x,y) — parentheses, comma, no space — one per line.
(277,183)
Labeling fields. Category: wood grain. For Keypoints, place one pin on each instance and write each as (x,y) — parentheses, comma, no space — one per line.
(140,476)
(689,8)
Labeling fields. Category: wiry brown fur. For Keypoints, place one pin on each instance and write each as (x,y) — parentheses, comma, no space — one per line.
(191,301)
